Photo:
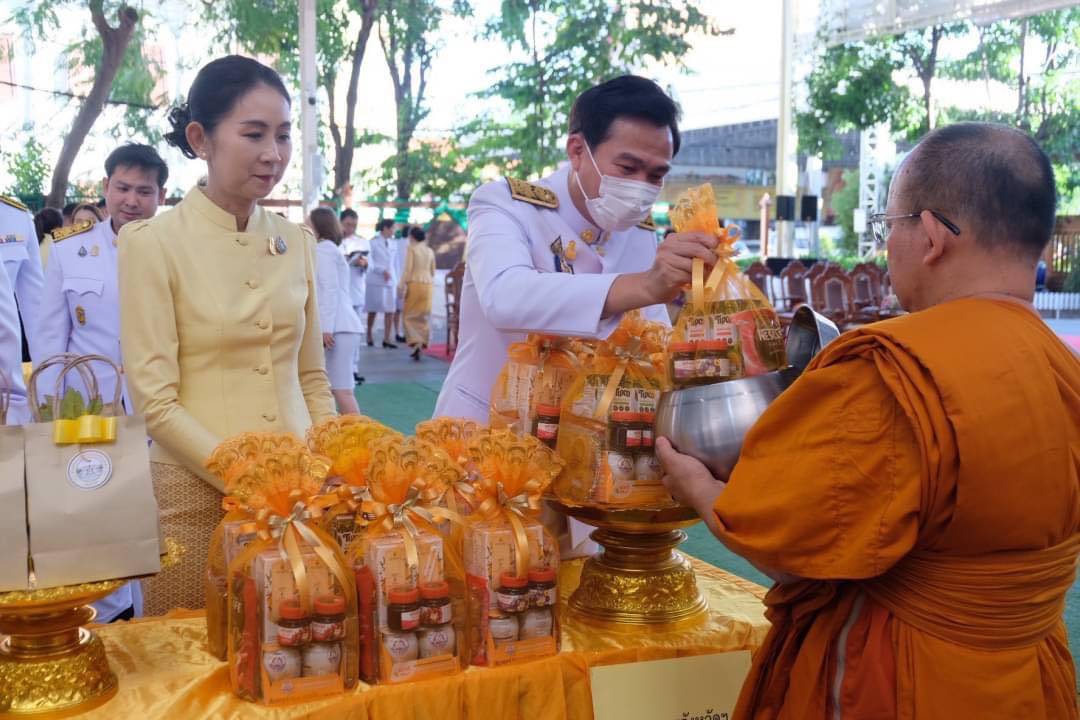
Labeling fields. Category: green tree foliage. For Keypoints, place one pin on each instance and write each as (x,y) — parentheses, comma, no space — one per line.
(570,45)
(113,55)
(844,202)
(343,29)
(29,170)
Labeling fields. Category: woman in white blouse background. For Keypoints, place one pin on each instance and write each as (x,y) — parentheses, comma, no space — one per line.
(341,326)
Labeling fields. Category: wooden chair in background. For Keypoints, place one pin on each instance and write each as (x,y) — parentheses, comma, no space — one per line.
(833,296)
(454,280)
(792,287)
(761,276)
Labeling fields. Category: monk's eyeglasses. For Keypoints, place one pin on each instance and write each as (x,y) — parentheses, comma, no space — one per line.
(881,224)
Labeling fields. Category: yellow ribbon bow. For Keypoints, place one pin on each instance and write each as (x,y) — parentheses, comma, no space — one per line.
(84,429)
(402,518)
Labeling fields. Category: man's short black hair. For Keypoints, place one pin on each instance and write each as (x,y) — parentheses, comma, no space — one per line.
(994,177)
(627,96)
(349,213)
(383,224)
(69,209)
(134,155)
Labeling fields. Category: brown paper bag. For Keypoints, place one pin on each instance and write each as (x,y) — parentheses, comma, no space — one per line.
(13,560)
(90,501)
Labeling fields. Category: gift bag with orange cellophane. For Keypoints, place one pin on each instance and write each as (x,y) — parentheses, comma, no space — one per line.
(511,560)
(231,460)
(728,329)
(608,415)
(452,436)
(531,384)
(293,631)
(346,440)
(409,577)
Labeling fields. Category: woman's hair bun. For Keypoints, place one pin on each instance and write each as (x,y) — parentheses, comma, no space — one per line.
(179,118)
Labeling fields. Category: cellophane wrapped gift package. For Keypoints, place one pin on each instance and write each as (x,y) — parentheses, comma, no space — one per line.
(346,440)
(293,631)
(728,329)
(528,392)
(233,459)
(409,578)
(511,560)
(606,430)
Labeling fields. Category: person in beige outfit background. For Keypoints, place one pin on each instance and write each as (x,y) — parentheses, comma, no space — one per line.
(219,324)
(416,282)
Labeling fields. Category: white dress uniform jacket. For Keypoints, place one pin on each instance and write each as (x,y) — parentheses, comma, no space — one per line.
(381,291)
(22,261)
(81,304)
(357,274)
(514,286)
(336,314)
(11,355)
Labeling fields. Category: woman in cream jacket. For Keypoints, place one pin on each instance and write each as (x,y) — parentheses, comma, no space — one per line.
(219,324)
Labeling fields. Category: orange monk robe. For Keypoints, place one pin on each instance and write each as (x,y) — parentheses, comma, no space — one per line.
(922,478)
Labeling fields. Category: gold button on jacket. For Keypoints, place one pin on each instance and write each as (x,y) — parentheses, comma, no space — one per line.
(196,298)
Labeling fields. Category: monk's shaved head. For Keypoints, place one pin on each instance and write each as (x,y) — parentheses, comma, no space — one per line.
(992,178)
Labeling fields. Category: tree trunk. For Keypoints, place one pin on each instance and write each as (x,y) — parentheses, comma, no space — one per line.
(114,42)
(1021,91)
(345,143)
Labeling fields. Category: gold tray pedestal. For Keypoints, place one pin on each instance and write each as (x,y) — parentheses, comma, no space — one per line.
(50,665)
(639,578)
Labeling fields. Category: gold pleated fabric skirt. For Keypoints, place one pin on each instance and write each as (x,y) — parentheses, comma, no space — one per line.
(190,510)
(417,313)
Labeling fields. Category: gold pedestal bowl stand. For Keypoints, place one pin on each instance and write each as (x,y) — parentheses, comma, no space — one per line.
(50,665)
(639,578)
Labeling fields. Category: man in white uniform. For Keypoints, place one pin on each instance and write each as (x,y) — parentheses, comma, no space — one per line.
(569,254)
(11,356)
(356,250)
(380,295)
(22,261)
(81,301)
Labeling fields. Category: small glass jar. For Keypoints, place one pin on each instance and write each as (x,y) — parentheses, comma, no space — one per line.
(436,640)
(512,595)
(546,425)
(401,646)
(328,622)
(503,628)
(542,589)
(403,612)
(293,625)
(715,361)
(625,432)
(321,658)
(683,363)
(280,662)
(647,423)
(435,607)
(536,622)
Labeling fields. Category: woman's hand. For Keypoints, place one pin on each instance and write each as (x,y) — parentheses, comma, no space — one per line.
(687,479)
(328,340)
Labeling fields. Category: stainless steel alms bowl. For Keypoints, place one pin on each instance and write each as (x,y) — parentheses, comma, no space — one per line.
(710,422)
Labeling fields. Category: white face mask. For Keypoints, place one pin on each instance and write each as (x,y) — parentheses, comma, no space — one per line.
(622,203)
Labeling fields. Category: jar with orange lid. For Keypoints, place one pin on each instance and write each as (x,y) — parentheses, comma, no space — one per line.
(435,607)
(512,595)
(684,367)
(403,612)
(546,424)
(717,361)
(293,625)
(328,620)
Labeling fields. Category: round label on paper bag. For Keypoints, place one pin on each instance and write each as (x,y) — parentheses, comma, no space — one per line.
(89,469)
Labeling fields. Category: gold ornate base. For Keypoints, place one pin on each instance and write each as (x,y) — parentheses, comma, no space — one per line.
(51,666)
(639,578)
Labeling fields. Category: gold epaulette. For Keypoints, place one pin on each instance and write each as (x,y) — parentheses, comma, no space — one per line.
(647,224)
(532,193)
(63,233)
(13,203)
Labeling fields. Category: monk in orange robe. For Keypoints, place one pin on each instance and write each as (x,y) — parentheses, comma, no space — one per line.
(915,492)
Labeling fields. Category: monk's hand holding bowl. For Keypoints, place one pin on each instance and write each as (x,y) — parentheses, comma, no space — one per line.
(688,480)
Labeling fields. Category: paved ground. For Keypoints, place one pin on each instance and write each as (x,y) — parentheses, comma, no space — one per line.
(401,392)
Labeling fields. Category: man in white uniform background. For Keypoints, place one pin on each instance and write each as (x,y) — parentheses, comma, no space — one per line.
(356,250)
(22,262)
(80,304)
(380,292)
(569,254)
